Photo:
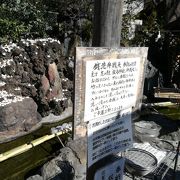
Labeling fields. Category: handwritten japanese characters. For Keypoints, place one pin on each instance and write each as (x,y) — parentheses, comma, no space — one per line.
(111,86)
(110,134)
(113,171)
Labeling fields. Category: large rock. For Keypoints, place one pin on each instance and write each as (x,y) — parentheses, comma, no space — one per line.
(55,82)
(79,146)
(66,166)
(70,164)
(45,86)
(38,69)
(35,177)
(17,113)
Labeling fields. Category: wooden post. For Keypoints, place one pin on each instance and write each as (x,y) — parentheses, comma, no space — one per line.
(107,23)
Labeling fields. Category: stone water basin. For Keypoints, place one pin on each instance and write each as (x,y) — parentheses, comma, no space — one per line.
(25,164)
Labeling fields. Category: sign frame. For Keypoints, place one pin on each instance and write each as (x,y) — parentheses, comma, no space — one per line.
(84,54)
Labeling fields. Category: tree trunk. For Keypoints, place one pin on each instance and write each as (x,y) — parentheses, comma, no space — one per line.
(107,23)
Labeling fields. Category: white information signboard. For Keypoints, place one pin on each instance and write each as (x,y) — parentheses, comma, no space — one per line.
(108,135)
(112,171)
(111,86)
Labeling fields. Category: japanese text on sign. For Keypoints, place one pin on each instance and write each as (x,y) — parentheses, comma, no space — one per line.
(109,135)
(112,171)
(111,85)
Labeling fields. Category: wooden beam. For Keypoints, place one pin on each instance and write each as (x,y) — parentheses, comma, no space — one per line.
(107,23)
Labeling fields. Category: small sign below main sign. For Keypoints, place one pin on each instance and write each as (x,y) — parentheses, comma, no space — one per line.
(113,171)
(109,135)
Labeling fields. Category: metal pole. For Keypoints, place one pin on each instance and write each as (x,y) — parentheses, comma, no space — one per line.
(176,161)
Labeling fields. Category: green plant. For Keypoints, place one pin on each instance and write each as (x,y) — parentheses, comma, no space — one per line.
(20,18)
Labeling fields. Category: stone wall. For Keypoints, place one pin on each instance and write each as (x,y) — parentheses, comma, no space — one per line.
(34,69)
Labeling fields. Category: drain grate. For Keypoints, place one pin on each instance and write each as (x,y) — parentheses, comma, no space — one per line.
(141,158)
